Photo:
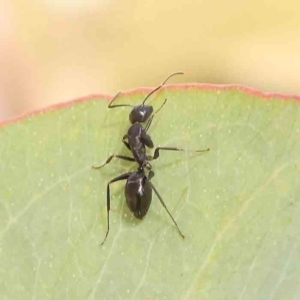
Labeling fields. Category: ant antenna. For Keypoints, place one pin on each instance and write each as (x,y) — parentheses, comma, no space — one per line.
(117,105)
(161,107)
(156,89)
(151,118)
(161,85)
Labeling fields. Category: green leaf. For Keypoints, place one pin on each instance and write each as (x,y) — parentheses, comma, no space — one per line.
(238,205)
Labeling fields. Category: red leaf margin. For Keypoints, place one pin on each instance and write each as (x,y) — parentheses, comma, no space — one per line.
(200,86)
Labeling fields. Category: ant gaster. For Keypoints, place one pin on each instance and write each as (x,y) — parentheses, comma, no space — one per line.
(138,188)
(138,194)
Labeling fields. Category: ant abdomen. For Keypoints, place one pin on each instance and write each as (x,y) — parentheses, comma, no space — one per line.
(138,194)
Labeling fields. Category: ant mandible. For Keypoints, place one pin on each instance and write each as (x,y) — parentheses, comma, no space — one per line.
(138,188)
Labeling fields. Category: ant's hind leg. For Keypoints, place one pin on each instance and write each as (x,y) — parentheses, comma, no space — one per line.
(121,177)
(151,174)
(111,157)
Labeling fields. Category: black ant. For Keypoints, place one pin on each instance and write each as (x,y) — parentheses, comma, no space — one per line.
(138,188)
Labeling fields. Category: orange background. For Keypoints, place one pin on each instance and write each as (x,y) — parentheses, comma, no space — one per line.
(57,50)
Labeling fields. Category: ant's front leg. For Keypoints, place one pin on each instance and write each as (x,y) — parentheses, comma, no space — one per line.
(150,176)
(146,139)
(125,142)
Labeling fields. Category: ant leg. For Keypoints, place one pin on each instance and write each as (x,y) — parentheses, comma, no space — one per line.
(151,119)
(151,174)
(156,151)
(111,157)
(121,177)
(146,139)
(116,105)
(125,142)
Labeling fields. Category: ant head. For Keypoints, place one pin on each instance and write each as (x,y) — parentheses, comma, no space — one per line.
(140,113)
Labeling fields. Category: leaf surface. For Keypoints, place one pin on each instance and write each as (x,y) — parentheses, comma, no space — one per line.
(238,205)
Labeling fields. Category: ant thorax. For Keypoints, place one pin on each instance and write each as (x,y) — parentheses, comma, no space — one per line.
(138,140)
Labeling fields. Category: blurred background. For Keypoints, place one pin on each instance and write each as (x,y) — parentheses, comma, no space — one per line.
(57,50)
